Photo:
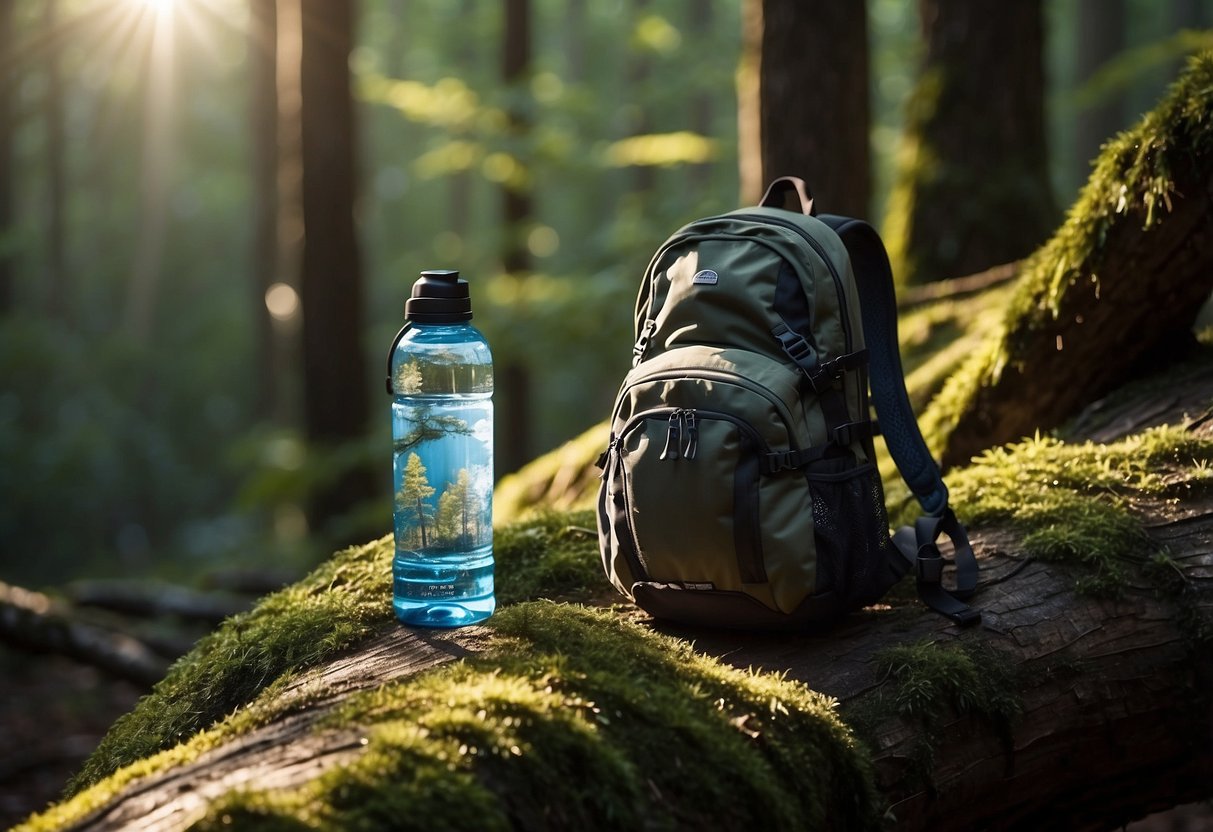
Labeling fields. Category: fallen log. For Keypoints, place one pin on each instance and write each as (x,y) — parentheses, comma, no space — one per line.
(32,622)
(1078,704)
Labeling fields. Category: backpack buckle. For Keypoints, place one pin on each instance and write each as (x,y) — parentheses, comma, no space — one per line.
(798,349)
(928,565)
(642,343)
(825,374)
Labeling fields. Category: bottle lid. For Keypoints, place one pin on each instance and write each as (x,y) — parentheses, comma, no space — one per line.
(439,296)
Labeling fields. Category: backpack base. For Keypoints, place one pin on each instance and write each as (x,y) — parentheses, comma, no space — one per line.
(731,610)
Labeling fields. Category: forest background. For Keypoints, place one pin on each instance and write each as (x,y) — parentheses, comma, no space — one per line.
(155,419)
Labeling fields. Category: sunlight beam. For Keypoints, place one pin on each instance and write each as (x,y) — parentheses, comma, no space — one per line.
(158,7)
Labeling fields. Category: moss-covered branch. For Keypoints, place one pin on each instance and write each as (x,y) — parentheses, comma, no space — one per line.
(1127,271)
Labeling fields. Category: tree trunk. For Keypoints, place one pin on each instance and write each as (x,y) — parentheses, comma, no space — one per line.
(7,83)
(513,387)
(32,622)
(812,109)
(263,105)
(1113,695)
(972,189)
(56,167)
(1100,36)
(336,404)
(1114,720)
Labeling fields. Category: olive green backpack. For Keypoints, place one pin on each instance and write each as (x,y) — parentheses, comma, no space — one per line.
(739,488)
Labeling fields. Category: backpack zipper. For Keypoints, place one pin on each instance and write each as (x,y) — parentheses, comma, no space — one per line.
(673,436)
(728,378)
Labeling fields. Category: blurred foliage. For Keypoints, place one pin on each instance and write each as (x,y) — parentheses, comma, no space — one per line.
(134,455)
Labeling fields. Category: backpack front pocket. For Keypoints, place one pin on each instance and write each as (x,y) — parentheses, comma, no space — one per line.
(692,491)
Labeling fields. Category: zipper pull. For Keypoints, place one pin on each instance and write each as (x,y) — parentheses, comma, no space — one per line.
(673,438)
(692,431)
(605,459)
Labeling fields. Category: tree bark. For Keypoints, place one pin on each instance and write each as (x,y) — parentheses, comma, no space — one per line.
(263,120)
(813,116)
(7,82)
(1115,717)
(336,404)
(513,449)
(972,187)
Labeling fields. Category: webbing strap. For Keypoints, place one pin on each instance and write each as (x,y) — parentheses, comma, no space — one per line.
(918,550)
(878,309)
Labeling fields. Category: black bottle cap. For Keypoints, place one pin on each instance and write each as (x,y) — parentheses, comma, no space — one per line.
(440,296)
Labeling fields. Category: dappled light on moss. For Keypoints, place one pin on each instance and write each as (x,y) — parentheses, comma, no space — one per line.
(657,736)
(550,555)
(1071,501)
(343,601)
(574,718)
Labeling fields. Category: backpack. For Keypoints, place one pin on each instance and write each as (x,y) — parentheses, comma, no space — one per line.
(739,488)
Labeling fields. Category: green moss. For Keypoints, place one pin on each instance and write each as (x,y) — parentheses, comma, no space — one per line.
(1071,502)
(1133,177)
(550,555)
(926,682)
(342,602)
(298,627)
(575,718)
(1133,174)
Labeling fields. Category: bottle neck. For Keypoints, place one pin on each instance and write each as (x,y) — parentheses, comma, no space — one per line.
(446,326)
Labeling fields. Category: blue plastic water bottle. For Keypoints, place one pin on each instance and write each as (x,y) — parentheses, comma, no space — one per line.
(440,377)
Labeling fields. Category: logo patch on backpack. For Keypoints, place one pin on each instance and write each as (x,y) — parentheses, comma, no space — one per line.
(705,277)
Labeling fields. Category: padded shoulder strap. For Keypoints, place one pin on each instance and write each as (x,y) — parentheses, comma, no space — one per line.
(914,547)
(878,308)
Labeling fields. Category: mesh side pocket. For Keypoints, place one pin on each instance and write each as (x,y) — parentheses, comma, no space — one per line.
(851,531)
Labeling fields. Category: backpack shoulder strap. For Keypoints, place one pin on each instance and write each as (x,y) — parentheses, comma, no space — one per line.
(916,546)
(878,308)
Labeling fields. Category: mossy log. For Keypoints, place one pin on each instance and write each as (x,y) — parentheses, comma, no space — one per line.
(1116,289)
(1085,698)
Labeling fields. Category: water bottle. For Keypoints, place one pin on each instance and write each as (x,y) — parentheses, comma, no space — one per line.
(440,377)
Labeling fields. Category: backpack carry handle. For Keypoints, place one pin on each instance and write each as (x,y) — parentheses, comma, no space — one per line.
(789,193)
